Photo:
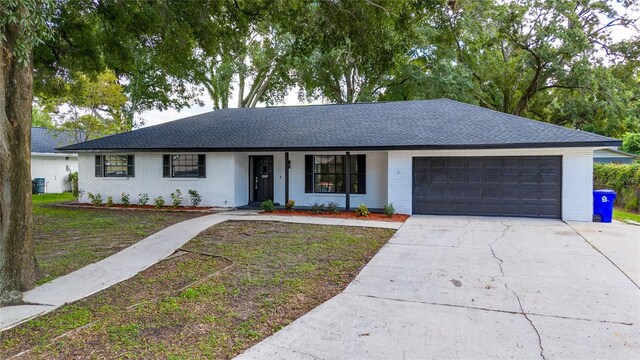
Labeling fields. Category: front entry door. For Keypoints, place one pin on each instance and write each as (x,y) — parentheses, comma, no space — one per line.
(263,178)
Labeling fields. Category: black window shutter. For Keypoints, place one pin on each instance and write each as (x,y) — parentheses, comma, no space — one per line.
(130,166)
(166,166)
(98,165)
(362,174)
(202,167)
(308,173)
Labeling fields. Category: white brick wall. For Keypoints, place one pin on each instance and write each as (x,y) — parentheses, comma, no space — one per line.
(577,183)
(227,181)
(217,189)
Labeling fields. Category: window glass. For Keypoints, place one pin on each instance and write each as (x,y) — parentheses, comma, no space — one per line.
(184,165)
(115,165)
(329,174)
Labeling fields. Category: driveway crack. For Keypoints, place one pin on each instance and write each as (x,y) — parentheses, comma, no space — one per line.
(500,263)
(529,320)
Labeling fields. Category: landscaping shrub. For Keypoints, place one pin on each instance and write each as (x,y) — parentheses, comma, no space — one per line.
(196,199)
(143,199)
(158,202)
(290,205)
(389,210)
(176,198)
(317,207)
(268,206)
(96,199)
(362,210)
(73,179)
(124,199)
(109,202)
(332,207)
(623,179)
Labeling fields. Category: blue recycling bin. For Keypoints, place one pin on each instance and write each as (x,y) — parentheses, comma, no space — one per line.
(603,204)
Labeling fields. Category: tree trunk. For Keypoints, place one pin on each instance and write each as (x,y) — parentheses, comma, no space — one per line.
(17,254)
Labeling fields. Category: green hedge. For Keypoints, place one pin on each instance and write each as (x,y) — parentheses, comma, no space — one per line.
(624,179)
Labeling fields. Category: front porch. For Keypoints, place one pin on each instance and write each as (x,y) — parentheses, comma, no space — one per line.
(313,177)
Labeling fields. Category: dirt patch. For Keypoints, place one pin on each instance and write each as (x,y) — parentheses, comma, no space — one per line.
(200,306)
(341,215)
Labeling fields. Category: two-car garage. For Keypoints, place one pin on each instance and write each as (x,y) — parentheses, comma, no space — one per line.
(529,186)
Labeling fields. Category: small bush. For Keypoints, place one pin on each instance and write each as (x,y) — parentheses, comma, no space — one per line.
(332,207)
(176,198)
(362,210)
(96,199)
(268,206)
(317,207)
(109,202)
(158,202)
(196,199)
(623,179)
(389,210)
(124,199)
(73,179)
(143,199)
(290,205)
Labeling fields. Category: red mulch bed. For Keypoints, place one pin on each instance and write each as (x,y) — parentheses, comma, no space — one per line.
(341,215)
(141,207)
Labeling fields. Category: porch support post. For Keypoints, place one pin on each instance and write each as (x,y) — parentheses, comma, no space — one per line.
(347,180)
(287,165)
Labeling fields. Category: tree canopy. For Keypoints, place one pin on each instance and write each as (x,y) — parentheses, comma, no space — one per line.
(550,60)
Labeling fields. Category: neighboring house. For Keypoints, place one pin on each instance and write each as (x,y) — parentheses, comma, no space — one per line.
(613,156)
(46,163)
(425,157)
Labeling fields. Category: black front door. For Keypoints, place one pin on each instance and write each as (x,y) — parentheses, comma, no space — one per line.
(263,178)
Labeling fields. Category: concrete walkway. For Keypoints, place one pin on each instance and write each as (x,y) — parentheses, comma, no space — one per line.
(474,288)
(134,259)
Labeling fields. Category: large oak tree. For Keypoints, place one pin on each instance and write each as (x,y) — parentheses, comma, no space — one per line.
(22,26)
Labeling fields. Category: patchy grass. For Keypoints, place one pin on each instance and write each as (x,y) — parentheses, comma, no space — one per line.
(67,239)
(622,215)
(199,306)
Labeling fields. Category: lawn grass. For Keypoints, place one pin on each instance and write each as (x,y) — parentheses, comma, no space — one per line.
(271,274)
(67,239)
(622,215)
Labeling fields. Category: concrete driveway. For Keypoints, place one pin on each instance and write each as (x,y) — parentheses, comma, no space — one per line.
(461,287)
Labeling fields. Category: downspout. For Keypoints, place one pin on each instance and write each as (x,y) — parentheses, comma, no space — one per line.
(347,180)
(287,166)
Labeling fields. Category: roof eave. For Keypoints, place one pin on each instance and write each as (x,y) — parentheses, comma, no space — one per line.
(589,144)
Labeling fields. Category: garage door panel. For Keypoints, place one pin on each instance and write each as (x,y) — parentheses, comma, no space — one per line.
(529,178)
(510,193)
(506,186)
(475,163)
(510,178)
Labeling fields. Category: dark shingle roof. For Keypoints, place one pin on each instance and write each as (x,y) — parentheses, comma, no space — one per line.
(44,140)
(424,124)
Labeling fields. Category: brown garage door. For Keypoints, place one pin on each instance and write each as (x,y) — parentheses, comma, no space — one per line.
(528,186)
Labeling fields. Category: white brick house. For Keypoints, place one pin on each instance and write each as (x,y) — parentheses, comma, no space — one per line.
(424,157)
